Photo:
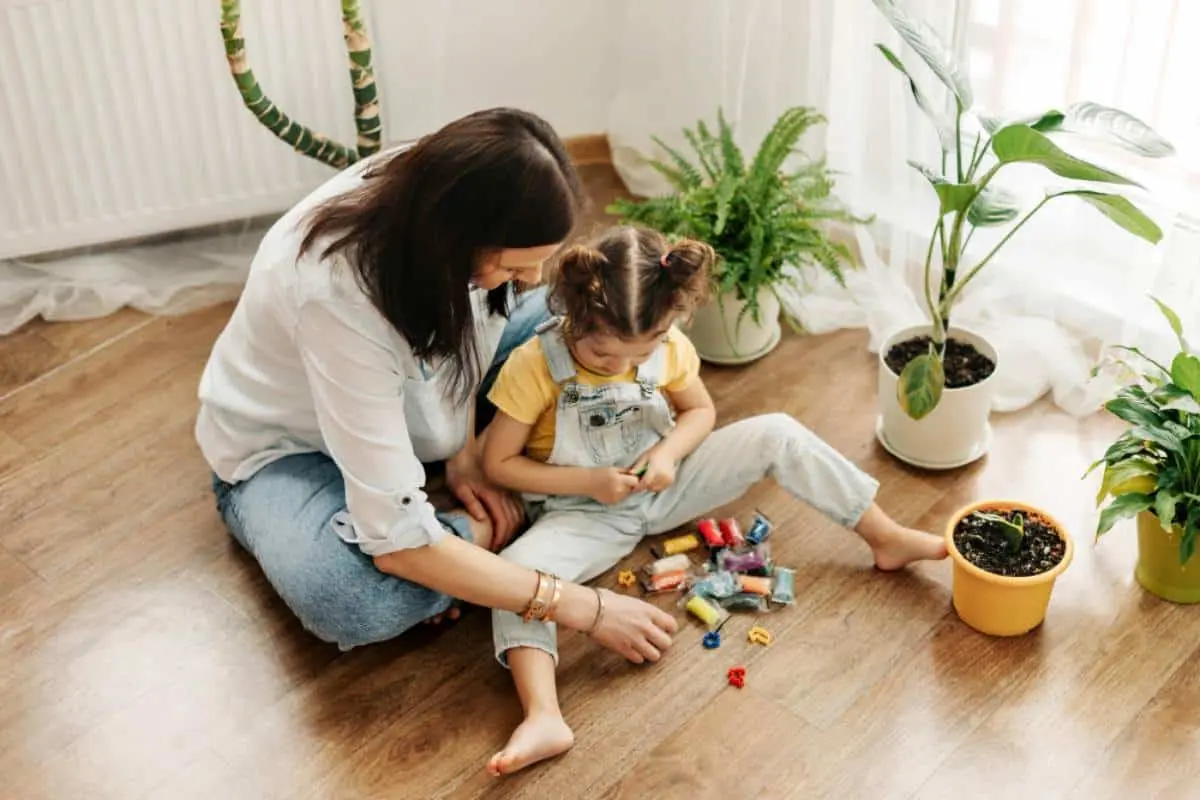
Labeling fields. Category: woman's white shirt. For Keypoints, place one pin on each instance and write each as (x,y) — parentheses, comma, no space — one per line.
(306,363)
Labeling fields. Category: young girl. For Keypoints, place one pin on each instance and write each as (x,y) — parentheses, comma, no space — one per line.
(611,388)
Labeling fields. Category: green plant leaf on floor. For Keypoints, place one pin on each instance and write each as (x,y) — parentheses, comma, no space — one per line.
(920,386)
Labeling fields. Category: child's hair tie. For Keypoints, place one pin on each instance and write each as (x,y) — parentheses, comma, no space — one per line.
(665,261)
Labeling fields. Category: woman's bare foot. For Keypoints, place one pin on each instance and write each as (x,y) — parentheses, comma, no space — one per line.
(896,546)
(903,546)
(539,737)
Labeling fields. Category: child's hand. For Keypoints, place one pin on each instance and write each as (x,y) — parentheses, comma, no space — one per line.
(657,470)
(611,485)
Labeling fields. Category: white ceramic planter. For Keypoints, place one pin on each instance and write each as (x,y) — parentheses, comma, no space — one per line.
(955,433)
(723,339)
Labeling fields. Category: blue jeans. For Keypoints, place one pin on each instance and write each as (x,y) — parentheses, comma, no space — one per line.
(281,516)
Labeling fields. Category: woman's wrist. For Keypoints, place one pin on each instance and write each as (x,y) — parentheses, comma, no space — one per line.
(577,607)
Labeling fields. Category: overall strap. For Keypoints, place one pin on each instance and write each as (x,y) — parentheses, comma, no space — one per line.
(554,348)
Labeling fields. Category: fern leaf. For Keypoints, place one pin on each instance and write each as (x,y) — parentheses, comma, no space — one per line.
(690,177)
(731,154)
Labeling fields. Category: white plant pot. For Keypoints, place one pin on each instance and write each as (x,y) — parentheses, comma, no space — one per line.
(721,338)
(956,432)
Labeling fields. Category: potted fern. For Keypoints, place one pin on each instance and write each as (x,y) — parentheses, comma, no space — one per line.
(766,223)
(935,392)
(1152,470)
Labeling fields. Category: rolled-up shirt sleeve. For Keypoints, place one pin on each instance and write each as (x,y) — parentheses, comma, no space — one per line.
(357,390)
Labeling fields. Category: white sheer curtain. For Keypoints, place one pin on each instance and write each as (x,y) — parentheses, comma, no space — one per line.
(1070,281)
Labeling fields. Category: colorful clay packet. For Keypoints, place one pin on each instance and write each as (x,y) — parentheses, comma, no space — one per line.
(711,533)
(783,586)
(676,545)
(731,533)
(744,601)
(760,529)
(664,582)
(756,558)
(706,610)
(716,584)
(754,584)
(674,563)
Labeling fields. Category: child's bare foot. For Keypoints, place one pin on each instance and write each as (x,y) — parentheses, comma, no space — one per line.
(896,546)
(451,614)
(539,737)
(906,545)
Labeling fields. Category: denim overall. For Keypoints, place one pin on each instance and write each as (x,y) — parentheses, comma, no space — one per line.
(610,425)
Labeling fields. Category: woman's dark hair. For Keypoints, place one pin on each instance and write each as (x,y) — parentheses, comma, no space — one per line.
(628,282)
(414,230)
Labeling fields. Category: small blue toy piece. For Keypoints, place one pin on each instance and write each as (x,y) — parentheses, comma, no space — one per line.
(712,640)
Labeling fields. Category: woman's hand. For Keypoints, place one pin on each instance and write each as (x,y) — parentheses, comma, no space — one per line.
(656,468)
(634,628)
(483,500)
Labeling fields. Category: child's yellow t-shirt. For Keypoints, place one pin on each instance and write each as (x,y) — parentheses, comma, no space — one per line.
(525,391)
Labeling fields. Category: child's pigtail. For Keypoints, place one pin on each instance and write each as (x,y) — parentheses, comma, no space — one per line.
(578,290)
(686,265)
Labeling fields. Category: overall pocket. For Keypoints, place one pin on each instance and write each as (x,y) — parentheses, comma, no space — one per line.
(611,432)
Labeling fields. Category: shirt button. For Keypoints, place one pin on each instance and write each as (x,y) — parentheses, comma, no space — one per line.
(406,500)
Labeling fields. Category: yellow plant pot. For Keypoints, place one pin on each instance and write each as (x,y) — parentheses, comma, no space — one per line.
(996,604)
(1158,569)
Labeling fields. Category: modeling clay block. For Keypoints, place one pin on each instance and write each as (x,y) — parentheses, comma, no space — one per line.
(680,544)
(718,584)
(743,562)
(760,529)
(744,601)
(712,535)
(754,584)
(673,563)
(731,534)
(783,589)
(664,582)
(709,613)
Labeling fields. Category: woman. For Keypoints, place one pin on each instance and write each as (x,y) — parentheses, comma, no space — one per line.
(371,313)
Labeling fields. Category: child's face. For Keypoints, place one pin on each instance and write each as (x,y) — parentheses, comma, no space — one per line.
(608,355)
(523,264)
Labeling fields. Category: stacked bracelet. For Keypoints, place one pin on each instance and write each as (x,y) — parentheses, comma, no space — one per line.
(599,612)
(544,602)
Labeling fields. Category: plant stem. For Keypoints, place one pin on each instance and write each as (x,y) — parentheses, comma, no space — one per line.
(949,301)
(958,138)
(978,160)
(939,230)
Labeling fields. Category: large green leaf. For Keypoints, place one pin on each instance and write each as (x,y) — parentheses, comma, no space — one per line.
(1135,410)
(1122,471)
(1122,507)
(922,380)
(952,197)
(1164,508)
(1185,372)
(943,126)
(1120,211)
(925,42)
(1021,143)
(1112,125)
(1191,530)
(1185,403)
(993,206)
(1172,320)
(1159,436)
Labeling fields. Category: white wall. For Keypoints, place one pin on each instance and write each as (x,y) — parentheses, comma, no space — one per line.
(119,118)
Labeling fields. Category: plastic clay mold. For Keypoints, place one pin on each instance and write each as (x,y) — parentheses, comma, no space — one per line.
(626,578)
(712,640)
(737,676)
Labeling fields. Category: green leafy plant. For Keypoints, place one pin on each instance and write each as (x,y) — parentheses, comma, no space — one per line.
(300,137)
(1013,529)
(975,147)
(1154,466)
(759,217)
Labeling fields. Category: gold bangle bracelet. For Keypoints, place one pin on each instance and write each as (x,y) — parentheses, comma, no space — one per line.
(552,608)
(599,612)
(537,604)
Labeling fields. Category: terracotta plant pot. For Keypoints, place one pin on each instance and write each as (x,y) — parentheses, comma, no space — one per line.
(720,337)
(956,432)
(1158,568)
(999,605)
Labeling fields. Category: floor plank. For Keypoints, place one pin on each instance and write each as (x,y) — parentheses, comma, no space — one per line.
(39,346)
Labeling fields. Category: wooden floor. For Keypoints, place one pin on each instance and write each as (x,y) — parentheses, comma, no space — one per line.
(143,656)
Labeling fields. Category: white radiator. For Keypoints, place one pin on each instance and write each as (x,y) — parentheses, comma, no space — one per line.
(118,118)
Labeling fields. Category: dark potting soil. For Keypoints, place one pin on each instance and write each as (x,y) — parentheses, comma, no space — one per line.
(963,364)
(984,544)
